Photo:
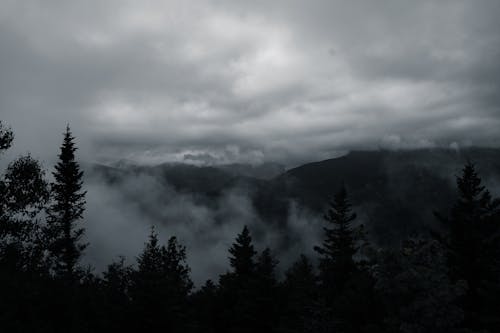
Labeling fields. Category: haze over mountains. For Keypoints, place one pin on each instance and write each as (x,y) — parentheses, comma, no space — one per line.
(394,194)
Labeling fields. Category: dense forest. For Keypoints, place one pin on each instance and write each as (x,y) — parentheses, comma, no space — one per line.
(446,279)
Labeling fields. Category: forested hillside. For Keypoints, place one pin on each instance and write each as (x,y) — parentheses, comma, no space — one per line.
(444,276)
(414,183)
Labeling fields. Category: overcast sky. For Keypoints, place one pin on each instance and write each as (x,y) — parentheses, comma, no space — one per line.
(249,81)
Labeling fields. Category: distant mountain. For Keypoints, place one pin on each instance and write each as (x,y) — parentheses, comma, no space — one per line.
(262,171)
(394,192)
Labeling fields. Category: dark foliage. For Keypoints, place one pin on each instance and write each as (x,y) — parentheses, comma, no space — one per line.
(472,243)
(339,245)
(65,211)
(449,283)
(6,137)
(242,255)
(160,286)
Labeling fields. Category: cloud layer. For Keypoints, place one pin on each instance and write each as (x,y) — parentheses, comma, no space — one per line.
(286,81)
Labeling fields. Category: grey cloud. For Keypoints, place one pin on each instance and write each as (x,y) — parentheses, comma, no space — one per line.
(294,81)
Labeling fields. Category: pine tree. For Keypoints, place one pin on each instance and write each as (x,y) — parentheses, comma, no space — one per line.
(177,270)
(300,279)
(347,302)
(339,244)
(161,285)
(265,267)
(116,282)
(242,254)
(238,307)
(205,308)
(472,238)
(266,293)
(472,234)
(65,211)
(300,294)
(413,280)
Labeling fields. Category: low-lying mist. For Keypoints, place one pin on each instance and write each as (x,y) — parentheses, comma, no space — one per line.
(206,207)
(119,217)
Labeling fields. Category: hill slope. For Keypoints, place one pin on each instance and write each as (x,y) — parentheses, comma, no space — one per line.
(394,192)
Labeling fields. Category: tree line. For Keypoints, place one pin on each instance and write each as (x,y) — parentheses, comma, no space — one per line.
(447,280)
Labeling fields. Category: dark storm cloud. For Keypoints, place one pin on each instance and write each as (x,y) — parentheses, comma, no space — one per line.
(255,81)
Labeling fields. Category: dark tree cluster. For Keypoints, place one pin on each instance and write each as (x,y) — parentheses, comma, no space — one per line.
(447,280)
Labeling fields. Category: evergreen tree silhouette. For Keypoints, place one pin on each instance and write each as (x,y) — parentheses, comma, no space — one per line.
(205,308)
(116,280)
(242,254)
(414,280)
(300,294)
(339,244)
(472,238)
(116,283)
(348,302)
(265,268)
(237,296)
(266,293)
(65,211)
(6,137)
(161,285)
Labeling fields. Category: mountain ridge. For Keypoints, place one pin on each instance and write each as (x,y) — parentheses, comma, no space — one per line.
(395,192)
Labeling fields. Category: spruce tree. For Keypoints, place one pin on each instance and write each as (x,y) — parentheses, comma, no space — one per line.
(238,306)
(347,302)
(339,244)
(472,232)
(116,285)
(413,280)
(472,237)
(65,211)
(300,278)
(161,285)
(205,308)
(300,295)
(266,293)
(265,267)
(242,254)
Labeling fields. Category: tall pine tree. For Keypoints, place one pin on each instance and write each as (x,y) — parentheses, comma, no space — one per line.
(239,310)
(242,254)
(266,293)
(65,211)
(339,244)
(347,302)
(472,237)
(300,295)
